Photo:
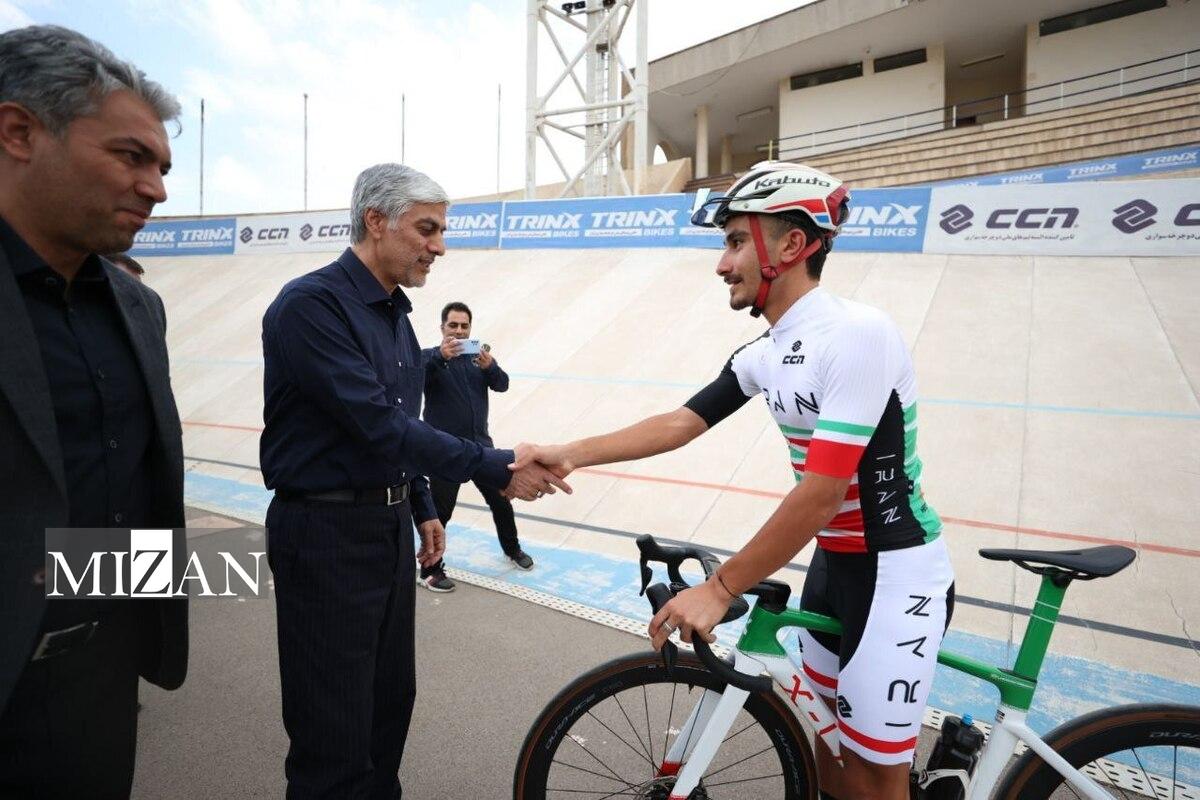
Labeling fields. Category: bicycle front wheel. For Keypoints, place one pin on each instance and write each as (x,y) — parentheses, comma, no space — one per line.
(607,733)
(1150,750)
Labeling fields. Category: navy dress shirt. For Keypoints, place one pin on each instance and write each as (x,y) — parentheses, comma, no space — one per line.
(343,381)
(456,394)
(101,406)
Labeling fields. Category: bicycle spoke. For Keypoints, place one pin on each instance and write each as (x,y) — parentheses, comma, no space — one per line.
(645,751)
(708,785)
(630,793)
(649,737)
(626,793)
(1145,774)
(743,730)
(640,753)
(1174,770)
(593,772)
(740,761)
(699,710)
(598,761)
(670,716)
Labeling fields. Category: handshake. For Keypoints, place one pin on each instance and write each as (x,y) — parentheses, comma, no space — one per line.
(538,470)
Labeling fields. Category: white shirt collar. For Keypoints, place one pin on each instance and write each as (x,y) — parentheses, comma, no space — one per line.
(798,310)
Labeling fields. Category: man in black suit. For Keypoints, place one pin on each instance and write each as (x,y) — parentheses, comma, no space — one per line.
(89,432)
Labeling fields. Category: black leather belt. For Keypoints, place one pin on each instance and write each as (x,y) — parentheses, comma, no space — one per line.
(392,495)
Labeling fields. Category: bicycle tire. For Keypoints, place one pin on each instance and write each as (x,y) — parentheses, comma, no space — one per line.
(571,705)
(1109,734)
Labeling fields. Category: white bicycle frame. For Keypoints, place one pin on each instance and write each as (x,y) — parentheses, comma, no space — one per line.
(690,755)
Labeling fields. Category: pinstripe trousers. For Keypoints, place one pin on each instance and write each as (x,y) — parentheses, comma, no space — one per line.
(344,584)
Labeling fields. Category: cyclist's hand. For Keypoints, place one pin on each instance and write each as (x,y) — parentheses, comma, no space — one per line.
(557,458)
(433,542)
(533,481)
(699,608)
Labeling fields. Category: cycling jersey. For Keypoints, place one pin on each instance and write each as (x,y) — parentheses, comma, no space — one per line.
(838,380)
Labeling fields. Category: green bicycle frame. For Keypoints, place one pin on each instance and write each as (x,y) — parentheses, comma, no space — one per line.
(1016,686)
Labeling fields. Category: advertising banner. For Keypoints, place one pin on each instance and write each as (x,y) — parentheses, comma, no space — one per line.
(1154,163)
(303,232)
(647,221)
(885,221)
(467,225)
(1137,218)
(185,237)
(474,225)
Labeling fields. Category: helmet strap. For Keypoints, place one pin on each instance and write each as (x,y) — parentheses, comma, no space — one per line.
(768,271)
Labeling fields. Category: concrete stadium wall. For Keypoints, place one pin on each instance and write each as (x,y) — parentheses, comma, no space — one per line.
(873,96)
(1111,45)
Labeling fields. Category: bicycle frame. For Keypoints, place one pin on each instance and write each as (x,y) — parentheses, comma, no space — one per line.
(759,651)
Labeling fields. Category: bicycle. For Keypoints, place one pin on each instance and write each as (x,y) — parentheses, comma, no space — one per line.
(734,735)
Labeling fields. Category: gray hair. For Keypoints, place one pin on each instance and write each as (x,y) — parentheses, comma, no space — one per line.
(390,189)
(59,75)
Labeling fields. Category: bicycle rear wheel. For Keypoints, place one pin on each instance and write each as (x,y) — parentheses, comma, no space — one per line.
(1150,750)
(605,736)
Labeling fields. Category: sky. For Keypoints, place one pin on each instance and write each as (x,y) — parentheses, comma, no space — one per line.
(253,60)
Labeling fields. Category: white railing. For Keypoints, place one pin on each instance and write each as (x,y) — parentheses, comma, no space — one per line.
(1159,73)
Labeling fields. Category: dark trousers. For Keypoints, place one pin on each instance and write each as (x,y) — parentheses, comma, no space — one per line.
(445,496)
(344,587)
(70,727)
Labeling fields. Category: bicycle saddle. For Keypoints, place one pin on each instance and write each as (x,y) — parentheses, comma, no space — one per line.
(1092,562)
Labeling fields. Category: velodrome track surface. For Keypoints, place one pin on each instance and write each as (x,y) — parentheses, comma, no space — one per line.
(1058,409)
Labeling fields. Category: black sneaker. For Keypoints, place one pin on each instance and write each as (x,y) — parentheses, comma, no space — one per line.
(436,582)
(521,559)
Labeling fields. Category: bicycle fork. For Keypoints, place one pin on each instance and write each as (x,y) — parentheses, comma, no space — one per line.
(713,716)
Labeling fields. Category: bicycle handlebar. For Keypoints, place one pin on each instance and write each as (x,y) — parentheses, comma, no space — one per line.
(651,550)
(659,595)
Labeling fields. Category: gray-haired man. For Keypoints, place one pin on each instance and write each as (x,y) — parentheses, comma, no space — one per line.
(345,450)
(89,433)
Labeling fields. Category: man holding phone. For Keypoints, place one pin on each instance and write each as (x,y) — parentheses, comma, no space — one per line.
(458,375)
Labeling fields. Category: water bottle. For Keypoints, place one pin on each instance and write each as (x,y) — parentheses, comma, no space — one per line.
(957,747)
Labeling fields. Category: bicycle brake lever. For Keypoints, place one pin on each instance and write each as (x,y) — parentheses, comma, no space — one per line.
(647,576)
(669,653)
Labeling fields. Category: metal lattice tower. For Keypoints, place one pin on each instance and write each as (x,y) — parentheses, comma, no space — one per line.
(606,115)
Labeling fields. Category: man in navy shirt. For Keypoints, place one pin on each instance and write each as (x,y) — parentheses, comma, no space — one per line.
(345,451)
(456,401)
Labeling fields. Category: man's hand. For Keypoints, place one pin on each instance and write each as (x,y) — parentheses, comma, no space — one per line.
(694,610)
(556,457)
(451,346)
(532,480)
(433,542)
(484,359)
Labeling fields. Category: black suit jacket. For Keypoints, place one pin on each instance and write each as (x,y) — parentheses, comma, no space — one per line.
(33,491)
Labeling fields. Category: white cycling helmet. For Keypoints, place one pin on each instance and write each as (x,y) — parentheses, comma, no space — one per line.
(783,189)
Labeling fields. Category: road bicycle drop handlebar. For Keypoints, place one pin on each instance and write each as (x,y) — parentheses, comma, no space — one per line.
(660,594)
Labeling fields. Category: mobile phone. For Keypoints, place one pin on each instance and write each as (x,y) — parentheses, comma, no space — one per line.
(470,347)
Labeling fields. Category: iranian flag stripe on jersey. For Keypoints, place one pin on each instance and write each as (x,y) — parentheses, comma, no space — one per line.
(837,447)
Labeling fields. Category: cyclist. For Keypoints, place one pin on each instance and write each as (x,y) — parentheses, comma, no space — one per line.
(838,380)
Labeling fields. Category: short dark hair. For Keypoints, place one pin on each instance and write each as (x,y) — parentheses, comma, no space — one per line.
(455,306)
(59,74)
(128,261)
(780,224)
